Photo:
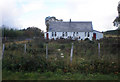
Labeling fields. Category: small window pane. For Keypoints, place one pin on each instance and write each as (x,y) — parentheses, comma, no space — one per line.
(88,34)
(52,33)
(55,33)
(85,33)
(66,33)
(63,34)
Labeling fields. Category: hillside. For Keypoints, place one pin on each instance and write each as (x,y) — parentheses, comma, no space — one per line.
(112,33)
(32,63)
(10,35)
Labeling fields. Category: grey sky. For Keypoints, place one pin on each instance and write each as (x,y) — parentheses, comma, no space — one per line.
(25,13)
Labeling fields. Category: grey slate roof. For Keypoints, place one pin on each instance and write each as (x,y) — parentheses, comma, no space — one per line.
(70,27)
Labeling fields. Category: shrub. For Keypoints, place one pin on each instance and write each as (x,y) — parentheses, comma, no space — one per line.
(34,59)
(48,74)
(87,39)
(41,45)
(14,46)
(59,71)
(62,47)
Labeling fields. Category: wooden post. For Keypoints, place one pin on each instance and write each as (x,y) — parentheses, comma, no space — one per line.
(24,48)
(71,54)
(3,48)
(46,51)
(99,50)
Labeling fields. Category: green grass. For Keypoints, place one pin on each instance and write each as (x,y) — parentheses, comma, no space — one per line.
(32,65)
(9,75)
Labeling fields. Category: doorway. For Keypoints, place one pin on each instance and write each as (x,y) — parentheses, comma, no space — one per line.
(94,36)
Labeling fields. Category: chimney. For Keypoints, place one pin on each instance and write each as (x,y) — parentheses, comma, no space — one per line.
(70,20)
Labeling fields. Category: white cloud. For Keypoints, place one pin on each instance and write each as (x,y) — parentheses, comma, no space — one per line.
(33,12)
(100,12)
(33,6)
(10,13)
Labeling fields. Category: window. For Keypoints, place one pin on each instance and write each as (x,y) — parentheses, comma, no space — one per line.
(52,33)
(55,33)
(63,34)
(66,33)
(85,33)
(74,34)
(77,33)
(88,34)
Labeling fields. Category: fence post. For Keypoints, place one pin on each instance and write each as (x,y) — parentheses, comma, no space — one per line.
(71,54)
(46,51)
(3,48)
(24,48)
(99,50)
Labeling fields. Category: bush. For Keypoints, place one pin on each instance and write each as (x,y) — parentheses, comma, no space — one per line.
(34,59)
(59,71)
(87,39)
(14,46)
(48,74)
(62,47)
(28,62)
(41,45)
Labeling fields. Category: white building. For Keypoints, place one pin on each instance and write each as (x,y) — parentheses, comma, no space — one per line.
(72,30)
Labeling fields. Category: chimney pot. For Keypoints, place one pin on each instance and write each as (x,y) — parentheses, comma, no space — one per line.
(70,20)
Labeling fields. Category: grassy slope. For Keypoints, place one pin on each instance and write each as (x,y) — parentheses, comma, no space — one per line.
(53,46)
(8,75)
(112,33)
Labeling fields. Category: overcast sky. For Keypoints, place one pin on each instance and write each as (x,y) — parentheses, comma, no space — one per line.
(26,13)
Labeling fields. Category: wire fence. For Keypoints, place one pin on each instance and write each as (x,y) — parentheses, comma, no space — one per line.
(74,56)
(69,50)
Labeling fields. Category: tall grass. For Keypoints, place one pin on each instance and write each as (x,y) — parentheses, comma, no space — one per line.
(85,57)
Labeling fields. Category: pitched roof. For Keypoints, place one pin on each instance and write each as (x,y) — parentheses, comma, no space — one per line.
(70,27)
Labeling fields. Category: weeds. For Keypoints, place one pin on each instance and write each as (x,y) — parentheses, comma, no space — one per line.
(85,57)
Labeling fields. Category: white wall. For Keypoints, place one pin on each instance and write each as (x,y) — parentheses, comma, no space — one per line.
(99,35)
(60,34)
(45,35)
